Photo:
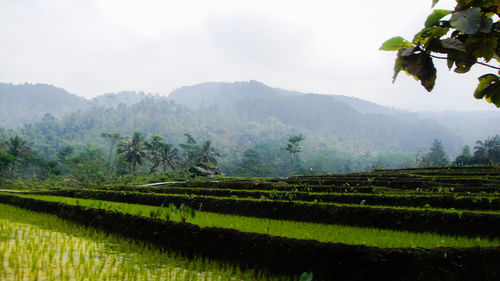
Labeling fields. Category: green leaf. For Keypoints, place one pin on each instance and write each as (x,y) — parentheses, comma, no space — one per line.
(486,25)
(450,62)
(434,2)
(435,17)
(422,68)
(484,82)
(463,61)
(398,66)
(426,34)
(492,93)
(451,43)
(395,44)
(468,21)
(495,99)
(482,46)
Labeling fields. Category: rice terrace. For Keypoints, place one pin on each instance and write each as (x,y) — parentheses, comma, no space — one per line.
(410,224)
(136,145)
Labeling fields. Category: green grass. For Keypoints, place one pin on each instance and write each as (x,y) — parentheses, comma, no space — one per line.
(37,246)
(300,230)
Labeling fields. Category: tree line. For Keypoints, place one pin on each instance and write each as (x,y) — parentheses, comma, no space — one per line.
(125,155)
(486,151)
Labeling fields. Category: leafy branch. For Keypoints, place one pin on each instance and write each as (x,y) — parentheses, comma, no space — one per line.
(466,36)
(473,61)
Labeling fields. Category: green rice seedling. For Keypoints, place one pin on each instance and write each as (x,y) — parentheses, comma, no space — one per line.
(169,211)
(303,230)
(43,247)
(185,212)
(156,213)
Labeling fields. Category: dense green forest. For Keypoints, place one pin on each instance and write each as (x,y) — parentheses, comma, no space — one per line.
(247,132)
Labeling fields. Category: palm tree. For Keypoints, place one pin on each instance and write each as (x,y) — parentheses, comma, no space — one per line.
(207,153)
(18,148)
(154,148)
(487,148)
(169,156)
(191,151)
(133,150)
(162,154)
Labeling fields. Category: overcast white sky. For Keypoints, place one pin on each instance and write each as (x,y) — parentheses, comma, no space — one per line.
(91,47)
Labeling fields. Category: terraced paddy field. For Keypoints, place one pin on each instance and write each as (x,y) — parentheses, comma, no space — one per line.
(39,246)
(419,224)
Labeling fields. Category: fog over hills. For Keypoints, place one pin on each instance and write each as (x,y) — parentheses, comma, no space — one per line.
(252,101)
(471,125)
(227,94)
(27,103)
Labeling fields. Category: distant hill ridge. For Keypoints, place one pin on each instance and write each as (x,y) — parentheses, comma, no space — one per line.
(27,103)
(226,95)
(249,100)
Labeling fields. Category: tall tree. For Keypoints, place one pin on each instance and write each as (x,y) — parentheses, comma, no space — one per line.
(113,140)
(293,147)
(468,37)
(252,165)
(485,151)
(133,150)
(207,153)
(169,157)
(62,157)
(465,158)
(154,147)
(191,151)
(87,167)
(18,148)
(5,161)
(162,154)
(436,156)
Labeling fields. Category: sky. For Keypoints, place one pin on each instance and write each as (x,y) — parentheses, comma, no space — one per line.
(92,47)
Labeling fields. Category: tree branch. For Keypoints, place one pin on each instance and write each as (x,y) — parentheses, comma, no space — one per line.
(474,61)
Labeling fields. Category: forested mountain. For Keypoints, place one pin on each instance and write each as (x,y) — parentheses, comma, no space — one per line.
(245,119)
(342,117)
(226,95)
(223,95)
(28,103)
(255,100)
